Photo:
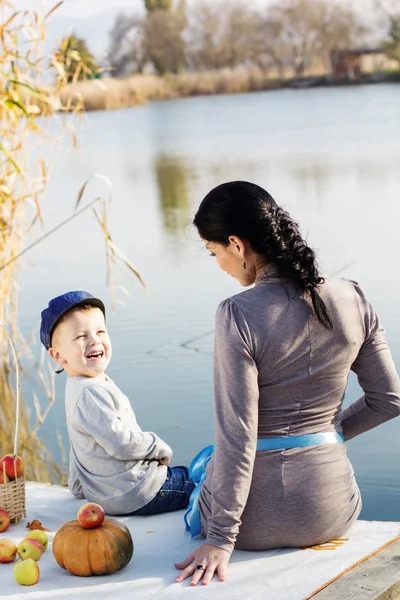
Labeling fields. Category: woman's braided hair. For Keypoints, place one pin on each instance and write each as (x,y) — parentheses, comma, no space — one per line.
(248,211)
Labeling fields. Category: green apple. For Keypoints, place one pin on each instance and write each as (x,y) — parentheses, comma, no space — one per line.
(27,572)
(30,548)
(40,536)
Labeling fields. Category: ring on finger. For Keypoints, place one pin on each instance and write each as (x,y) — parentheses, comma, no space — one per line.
(200,568)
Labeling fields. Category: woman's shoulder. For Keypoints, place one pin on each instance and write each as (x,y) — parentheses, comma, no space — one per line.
(253,301)
(238,309)
(343,286)
(232,305)
(254,298)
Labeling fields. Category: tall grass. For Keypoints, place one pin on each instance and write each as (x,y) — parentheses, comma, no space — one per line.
(24,103)
(113,93)
(22,182)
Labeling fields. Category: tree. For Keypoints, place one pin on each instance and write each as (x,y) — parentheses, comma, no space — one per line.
(163,41)
(203,45)
(267,49)
(298,19)
(392,45)
(156,38)
(220,38)
(127,53)
(77,60)
(152,5)
(310,29)
(239,30)
(340,28)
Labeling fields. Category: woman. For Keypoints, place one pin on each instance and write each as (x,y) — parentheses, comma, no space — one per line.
(279,475)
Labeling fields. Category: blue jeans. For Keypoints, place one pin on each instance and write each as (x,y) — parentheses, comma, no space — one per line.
(174,494)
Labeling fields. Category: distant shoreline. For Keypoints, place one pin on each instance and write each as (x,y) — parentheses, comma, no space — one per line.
(136,90)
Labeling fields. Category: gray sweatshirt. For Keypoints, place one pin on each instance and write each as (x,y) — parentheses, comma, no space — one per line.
(112,461)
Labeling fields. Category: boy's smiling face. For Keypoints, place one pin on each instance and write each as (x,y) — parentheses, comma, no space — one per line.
(81,344)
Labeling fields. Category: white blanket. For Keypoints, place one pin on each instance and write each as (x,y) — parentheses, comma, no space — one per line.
(286,574)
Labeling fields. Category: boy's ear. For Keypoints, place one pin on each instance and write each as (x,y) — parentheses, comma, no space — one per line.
(56,356)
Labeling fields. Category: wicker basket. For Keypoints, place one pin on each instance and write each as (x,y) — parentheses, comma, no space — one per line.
(12,498)
(12,493)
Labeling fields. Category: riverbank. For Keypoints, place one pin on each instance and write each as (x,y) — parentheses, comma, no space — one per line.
(113,93)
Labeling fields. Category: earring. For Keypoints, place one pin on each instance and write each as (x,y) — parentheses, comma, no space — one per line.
(244,266)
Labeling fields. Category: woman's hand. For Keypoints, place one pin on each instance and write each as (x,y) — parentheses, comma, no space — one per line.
(210,558)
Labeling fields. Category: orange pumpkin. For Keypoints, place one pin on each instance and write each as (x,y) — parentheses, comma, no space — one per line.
(99,551)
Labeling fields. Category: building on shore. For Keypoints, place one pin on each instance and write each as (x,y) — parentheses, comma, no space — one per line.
(357,63)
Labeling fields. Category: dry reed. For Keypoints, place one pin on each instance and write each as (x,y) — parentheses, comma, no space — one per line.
(21,185)
(24,102)
(114,93)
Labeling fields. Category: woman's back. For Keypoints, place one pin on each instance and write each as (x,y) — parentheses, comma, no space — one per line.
(278,369)
(302,366)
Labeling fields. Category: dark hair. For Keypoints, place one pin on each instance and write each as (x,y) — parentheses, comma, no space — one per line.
(248,211)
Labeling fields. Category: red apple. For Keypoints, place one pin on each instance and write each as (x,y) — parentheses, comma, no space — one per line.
(8,550)
(3,475)
(40,536)
(13,464)
(90,515)
(4,520)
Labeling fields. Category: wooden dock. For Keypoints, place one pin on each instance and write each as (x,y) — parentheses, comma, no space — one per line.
(377,578)
(364,567)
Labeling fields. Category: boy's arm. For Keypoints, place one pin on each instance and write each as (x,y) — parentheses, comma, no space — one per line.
(95,412)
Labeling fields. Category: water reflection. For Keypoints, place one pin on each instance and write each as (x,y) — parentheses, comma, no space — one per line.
(321,175)
(173,193)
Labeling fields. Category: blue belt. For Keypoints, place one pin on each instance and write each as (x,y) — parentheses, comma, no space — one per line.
(300,441)
(197,468)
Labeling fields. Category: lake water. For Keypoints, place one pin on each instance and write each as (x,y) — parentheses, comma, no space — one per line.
(329,156)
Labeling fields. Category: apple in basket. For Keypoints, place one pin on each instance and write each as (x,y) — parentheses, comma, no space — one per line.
(8,550)
(3,476)
(4,520)
(13,465)
(90,515)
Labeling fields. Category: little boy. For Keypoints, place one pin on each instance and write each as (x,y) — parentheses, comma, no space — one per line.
(112,461)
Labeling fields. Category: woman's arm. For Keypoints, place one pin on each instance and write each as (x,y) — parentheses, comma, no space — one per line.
(236,396)
(376,375)
(236,424)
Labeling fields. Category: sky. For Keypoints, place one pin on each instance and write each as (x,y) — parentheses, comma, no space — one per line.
(86,8)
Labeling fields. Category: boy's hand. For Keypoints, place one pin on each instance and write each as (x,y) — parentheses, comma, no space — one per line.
(164,461)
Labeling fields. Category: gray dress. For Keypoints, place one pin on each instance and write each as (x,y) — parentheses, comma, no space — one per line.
(278,372)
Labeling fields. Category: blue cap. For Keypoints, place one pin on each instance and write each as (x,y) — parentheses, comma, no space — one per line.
(59,306)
